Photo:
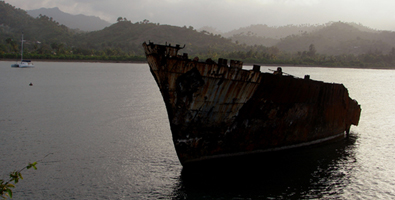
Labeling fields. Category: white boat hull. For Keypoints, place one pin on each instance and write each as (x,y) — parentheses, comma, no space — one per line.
(23,65)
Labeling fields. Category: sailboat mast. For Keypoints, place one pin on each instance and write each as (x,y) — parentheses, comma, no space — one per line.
(22,48)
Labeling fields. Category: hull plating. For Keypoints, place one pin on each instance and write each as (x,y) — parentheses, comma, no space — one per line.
(217,110)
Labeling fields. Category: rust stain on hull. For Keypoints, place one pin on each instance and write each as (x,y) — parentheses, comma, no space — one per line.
(218,110)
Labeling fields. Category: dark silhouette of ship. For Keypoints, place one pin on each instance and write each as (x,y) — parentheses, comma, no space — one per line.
(216,110)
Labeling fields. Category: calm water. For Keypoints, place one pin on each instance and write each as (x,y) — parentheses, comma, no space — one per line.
(106,130)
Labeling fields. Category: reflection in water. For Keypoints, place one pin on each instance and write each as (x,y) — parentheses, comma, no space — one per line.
(311,172)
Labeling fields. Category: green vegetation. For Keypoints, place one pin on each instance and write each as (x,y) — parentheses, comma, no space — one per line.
(15,176)
(333,44)
(272,55)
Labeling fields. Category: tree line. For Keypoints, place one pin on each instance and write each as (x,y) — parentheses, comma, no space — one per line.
(257,54)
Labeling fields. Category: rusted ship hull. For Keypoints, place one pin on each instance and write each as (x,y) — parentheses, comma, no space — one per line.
(216,110)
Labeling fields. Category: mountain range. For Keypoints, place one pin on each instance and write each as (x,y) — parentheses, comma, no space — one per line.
(81,22)
(332,38)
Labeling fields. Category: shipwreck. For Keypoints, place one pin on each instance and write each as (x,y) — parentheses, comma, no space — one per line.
(218,110)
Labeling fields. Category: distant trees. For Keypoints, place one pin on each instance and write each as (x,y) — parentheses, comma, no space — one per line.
(120,19)
(312,50)
(12,44)
(145,21)
(272,55)
(58,48)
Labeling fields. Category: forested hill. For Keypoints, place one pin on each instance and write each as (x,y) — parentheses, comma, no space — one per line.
(334,44)
(123,36)
(129,36)
(277,32)
(340,38)
(262,31)
(332,38)
(14,21)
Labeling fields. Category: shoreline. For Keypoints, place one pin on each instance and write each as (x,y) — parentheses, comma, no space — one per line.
(67,60)
(251,64)
(323,66)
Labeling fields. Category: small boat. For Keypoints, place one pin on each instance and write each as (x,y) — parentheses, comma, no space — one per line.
(217,110)
(23,63)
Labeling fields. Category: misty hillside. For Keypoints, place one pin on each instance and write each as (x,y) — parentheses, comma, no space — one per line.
(261,34)
(340,38)
(274,32)
(332,38)
(277,32)
(81,22)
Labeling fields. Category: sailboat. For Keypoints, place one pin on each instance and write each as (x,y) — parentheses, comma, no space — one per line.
(23,63)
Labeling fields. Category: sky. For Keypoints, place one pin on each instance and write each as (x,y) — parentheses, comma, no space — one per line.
(227,15)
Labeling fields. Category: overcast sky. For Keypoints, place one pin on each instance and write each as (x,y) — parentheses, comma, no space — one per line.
(226,15)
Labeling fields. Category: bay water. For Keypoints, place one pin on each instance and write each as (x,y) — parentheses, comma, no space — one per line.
(100,131)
